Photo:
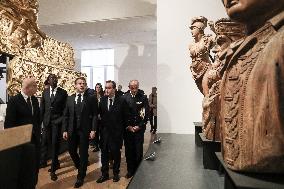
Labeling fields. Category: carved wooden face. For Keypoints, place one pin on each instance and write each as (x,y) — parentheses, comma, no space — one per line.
(248,10)
(195,31)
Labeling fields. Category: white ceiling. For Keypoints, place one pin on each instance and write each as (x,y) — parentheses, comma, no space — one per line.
(106,34)
(103,26)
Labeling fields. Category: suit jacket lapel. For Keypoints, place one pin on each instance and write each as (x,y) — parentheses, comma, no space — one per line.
(72,103)
(84,101)
(47,96)
(104,103)
(21,98)
(56,95)
(25,102)
(116,99)
(34,105)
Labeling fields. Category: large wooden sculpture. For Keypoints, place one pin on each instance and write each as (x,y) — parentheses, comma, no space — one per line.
(207,75)
(200,66)
(200,52)
(252,89)
(227,31)
(34,52)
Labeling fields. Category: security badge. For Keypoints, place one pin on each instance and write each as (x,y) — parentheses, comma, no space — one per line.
(142,110)
(142,113)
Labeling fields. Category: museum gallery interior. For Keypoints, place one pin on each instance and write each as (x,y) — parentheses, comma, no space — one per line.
(142,94)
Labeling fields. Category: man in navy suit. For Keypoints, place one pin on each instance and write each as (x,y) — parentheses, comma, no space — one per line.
(114,114)
(138,105)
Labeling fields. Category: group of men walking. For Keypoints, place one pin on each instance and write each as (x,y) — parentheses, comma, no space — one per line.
(120,117)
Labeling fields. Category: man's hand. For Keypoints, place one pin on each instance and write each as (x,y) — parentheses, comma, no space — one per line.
(65,135)
(136,128)
(92,134)
(130,128)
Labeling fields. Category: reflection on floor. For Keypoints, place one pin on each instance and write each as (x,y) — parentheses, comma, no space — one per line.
(67,173)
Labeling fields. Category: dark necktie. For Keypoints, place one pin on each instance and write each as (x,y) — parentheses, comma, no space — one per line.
(52,95)
(30,104)
(79,99)
(110,104)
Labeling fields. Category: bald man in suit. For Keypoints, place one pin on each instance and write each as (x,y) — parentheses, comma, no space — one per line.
(23,109)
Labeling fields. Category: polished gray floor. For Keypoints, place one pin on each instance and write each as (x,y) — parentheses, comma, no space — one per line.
(178,165)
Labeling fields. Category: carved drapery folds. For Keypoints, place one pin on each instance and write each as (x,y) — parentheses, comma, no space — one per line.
(31,48)
(245,96)
(227,32)
(208,78)
(253,137)
(199,52)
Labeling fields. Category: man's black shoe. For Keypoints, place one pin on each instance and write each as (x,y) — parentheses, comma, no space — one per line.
(128,175)
(115,178)
(79,183)
(103,178)
(53,176)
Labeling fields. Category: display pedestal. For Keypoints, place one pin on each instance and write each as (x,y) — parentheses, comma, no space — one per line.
(236,180)
(18,167)
(210,160)
(198,129)
(17,158)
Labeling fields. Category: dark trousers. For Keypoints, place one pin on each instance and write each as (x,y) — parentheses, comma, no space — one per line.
(81,140)
(51,137)
(96,140)
(153,122)
(133,149)
(108,151)
(97,136)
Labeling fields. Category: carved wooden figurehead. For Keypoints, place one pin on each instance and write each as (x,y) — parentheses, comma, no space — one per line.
(207,75)
(252,97)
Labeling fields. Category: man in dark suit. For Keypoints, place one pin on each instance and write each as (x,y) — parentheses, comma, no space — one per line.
(79,125)
(119,91)
(52,106)
(23,109)
(134,135)
(114,114)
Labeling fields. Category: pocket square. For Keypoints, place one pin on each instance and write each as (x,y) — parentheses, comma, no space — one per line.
(138,102)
